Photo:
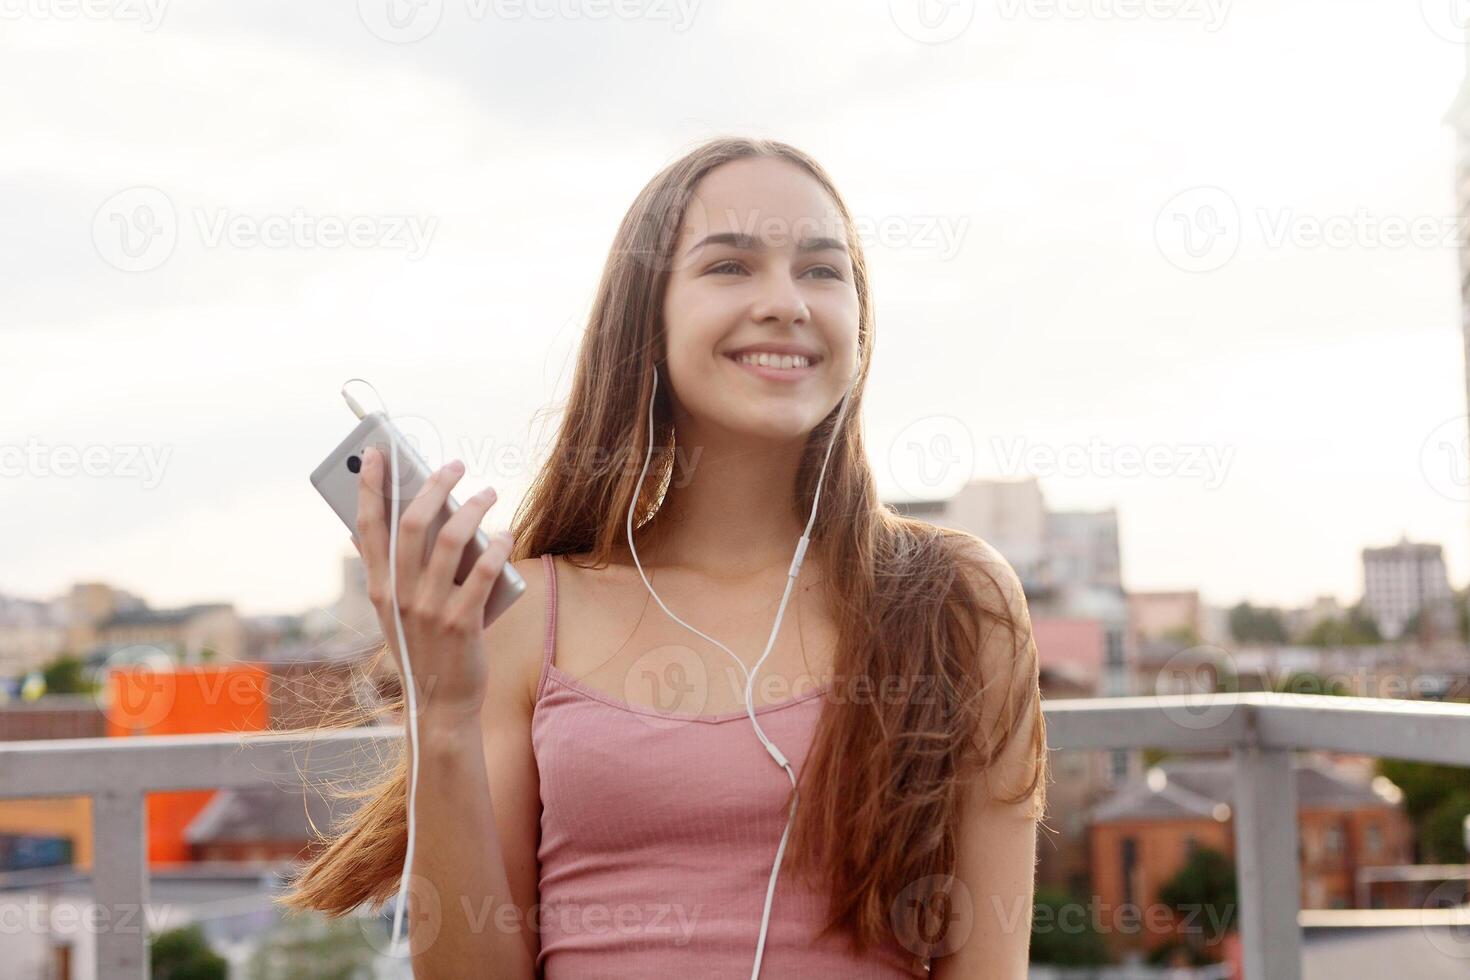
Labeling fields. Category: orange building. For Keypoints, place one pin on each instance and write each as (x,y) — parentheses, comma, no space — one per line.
(185,700)
(1145,833)
(207,824)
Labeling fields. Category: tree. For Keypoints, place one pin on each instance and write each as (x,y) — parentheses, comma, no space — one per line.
(184,954)
(1249,624)
(1153,756)
(1306,682)
(1442,833)
(1203,895)
(1060,936)
(306,947)
(64,676)
(1436,799)
(1185,636)
(1356,629)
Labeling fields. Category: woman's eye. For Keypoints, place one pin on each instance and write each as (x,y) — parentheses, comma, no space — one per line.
(732,265)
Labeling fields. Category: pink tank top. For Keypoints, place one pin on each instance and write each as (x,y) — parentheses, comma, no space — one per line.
(658,831)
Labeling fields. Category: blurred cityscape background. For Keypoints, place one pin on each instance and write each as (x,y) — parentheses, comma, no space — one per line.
(1305,532)
(1129,825)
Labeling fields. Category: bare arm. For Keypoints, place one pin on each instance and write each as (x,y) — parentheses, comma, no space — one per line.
(479,811)
(996,866)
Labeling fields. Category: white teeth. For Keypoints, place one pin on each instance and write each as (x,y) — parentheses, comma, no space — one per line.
(784,361)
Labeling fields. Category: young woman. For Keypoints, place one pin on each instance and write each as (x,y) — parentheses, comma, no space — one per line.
(592,797)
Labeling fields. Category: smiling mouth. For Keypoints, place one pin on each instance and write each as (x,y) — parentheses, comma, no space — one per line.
(775,367)
(768,359)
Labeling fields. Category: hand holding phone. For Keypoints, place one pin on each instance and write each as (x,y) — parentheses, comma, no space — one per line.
(438,610)
(337,480)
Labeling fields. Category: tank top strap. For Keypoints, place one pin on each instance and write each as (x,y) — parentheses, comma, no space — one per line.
(549,654)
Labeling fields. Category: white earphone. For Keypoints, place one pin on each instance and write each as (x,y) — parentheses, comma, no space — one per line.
(791,574)
(413,705)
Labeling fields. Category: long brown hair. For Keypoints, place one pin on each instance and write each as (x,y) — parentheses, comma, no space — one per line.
(883,784)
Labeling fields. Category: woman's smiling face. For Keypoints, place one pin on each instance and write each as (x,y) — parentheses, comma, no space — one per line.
(761,263)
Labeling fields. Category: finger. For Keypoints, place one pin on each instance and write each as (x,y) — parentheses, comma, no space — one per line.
(413,524)
(454,536)
(372,527)
(469,600)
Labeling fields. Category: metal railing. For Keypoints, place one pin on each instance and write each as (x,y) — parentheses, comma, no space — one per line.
(1259,730)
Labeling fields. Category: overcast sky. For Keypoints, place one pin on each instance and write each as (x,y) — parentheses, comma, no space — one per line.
(1189,258)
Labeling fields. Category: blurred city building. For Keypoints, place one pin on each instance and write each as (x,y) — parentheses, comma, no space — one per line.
(1404,582)
(1146,832)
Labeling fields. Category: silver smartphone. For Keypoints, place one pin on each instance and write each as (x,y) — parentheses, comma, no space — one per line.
(336,479)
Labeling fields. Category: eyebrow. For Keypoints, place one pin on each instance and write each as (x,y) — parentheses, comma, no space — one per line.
(750,242)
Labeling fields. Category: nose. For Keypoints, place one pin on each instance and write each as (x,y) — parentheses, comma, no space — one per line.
(780,301)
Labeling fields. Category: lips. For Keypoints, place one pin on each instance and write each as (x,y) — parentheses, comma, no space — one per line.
(770,373)
(778,349)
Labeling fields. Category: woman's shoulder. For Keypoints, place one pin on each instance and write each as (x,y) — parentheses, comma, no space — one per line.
(515,641)
(991,577)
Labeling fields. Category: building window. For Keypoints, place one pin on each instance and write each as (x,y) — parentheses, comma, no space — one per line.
(1130,863)
(1372,838)
(1332,840)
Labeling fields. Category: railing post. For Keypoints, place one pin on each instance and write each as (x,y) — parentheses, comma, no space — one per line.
(120,883)
(1267,875)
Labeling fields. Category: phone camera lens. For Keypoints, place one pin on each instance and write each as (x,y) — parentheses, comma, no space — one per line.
(354,463)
